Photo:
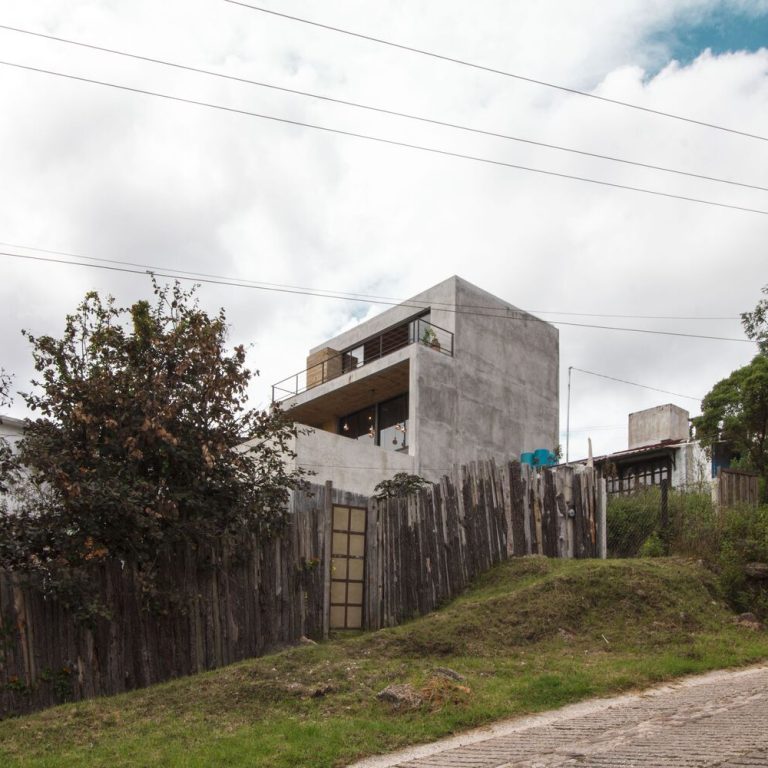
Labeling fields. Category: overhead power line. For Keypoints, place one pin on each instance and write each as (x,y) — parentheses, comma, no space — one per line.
(484,68)
(635,384)
(383,110)
(308,292)
(613,428)
(382,140)
(356,294)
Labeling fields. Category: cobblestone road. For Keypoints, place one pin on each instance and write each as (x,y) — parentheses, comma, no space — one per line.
(716,720)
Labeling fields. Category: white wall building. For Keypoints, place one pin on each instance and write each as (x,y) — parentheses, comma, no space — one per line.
(660,448)
(11,429)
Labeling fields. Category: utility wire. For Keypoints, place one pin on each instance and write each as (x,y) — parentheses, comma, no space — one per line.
(635,384)
(484,68)
(614,428)
(382,140)
(358,295)
(456,310)
(382,110)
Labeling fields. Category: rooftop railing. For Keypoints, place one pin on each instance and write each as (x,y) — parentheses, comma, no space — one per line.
(417,331)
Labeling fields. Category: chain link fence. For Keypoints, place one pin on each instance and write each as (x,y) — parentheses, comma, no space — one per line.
(656,520)
(731,541)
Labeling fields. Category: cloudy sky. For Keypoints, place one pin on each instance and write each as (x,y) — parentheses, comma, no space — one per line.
(112,174)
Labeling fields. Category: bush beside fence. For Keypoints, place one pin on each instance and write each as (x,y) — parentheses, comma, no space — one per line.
(733,541)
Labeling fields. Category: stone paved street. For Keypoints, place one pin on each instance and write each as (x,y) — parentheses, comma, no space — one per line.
(714,720)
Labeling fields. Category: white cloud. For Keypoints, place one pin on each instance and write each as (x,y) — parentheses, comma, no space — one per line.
(108,173)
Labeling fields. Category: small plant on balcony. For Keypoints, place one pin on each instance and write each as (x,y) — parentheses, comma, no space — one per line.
(429,337)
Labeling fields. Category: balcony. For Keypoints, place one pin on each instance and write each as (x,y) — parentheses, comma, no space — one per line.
(329,364)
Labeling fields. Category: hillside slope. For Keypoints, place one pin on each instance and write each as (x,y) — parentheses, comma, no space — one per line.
(530,635)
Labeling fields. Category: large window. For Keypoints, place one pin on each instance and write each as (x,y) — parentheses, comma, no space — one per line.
(383,343)
(392,424)
(360,425)
(353,358)
(384,424)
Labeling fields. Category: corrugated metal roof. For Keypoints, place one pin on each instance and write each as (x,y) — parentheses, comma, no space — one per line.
(664,444)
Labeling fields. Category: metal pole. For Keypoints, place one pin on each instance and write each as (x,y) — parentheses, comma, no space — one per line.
(568,418)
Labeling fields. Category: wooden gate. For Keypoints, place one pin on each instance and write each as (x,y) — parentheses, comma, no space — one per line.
(347,567)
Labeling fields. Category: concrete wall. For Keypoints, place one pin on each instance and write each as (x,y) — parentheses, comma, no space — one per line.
(693,468)
(350,464)
(497,397)
(508,368)
(434,412)
(654,425)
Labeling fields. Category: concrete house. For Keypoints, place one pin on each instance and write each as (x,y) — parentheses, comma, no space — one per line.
(450,376)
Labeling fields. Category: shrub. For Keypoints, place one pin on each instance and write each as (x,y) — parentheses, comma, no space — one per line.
(635,526)
(726,540)
(743,538)
(631,520)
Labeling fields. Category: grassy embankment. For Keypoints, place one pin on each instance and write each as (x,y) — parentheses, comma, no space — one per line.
(530,635)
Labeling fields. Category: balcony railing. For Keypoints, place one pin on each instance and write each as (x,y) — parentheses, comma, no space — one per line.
(418,331)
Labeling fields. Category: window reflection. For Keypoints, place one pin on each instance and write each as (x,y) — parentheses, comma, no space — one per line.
(393,423)
(360,425)
(384,424)
(353,358)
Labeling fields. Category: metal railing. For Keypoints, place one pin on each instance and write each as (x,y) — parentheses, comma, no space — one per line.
(417,331)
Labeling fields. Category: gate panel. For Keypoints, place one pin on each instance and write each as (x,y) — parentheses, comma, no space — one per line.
(347,567)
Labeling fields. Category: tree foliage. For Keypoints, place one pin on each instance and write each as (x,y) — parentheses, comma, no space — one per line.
(138,446)
(5,388)
(7,464)
(735,411)
(755,323)
(401,484)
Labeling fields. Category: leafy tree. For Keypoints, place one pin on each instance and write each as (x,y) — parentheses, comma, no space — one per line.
(756,323)
(735,411)
(5,388)
(138,446)
(7,464)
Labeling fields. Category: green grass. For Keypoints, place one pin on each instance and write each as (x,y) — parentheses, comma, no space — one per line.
(530,635)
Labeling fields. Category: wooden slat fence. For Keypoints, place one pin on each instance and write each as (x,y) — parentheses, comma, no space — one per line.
(735,486)
(233,602)
(425,549)
(240,600)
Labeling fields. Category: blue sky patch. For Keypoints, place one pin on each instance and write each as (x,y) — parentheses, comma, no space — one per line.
(723,30)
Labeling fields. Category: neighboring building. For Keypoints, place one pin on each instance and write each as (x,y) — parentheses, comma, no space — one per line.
(11,429)
(660,448)
(450,376)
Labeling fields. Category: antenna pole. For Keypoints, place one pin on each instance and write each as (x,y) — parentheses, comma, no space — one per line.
(568,418)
